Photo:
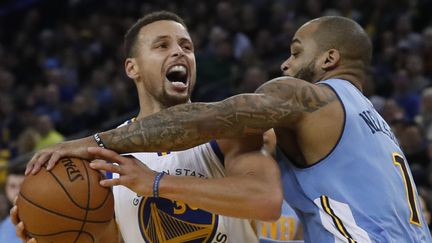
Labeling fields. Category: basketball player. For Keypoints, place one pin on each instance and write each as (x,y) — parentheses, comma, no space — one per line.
(342,168)
(161,61)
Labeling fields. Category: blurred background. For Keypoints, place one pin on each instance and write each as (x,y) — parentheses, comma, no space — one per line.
(62,75)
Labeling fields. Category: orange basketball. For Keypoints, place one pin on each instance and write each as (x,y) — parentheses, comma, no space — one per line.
(66,204)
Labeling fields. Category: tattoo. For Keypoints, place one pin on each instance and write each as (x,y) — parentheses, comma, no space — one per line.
(279,102)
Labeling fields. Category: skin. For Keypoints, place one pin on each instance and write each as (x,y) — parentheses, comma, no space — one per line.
(258,190)
(13,185)
(270,148)
(290,105)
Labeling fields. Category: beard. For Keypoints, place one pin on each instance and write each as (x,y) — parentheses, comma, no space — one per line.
(307,73)
(169,100)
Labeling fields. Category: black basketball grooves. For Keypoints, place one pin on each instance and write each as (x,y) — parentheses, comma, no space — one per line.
(87,208)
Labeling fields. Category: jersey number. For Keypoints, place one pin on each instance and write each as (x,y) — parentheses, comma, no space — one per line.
(399,161)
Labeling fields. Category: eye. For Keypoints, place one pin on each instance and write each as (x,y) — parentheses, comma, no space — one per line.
(187,47)
(162,45)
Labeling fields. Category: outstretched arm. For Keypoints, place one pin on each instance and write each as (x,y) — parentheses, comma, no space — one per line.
(278,103)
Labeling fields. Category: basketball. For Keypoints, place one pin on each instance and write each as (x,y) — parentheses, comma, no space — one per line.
(66,204)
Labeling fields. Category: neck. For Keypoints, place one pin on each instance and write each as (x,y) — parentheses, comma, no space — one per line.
(148,105)
(354,76)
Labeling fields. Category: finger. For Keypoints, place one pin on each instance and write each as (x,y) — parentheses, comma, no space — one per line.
(14,215)
(55,157)
(32,240)
(35,169)
(100,165)
(110,182)
(29,167)
(20,231)
(106,154)
(30,164)
(40,161)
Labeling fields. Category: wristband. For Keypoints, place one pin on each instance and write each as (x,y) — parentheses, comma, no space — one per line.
(98,140)
(157,179)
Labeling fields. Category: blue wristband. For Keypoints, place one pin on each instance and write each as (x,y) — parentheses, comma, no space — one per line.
(157,179)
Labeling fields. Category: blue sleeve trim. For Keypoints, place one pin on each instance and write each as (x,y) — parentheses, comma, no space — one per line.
(217,151)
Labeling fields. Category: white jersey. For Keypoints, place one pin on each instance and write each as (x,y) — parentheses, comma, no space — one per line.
(146,219)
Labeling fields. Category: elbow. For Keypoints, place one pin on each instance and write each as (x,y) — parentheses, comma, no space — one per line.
(275,205)
(270,206)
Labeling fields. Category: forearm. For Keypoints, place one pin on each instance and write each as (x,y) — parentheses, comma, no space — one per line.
(281,102)
(185,126)
(240,196)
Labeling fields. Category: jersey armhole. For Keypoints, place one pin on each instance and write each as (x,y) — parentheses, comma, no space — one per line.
(214,145)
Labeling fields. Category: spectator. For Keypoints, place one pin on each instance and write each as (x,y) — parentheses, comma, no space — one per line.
(13,184)
(424,119)
(47,132)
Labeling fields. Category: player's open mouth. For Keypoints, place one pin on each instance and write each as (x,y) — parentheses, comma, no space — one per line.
(177,75)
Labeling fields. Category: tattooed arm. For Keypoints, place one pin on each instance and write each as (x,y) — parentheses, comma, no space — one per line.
(281,102)
(278,103)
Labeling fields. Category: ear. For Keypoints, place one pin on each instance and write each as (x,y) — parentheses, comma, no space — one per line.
(131,68)
(331,59)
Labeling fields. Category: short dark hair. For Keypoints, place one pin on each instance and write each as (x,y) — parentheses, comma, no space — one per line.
(132,34)
(16,170)
(345,35)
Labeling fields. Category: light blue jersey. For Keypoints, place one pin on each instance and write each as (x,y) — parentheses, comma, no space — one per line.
(363,190)
(7,232)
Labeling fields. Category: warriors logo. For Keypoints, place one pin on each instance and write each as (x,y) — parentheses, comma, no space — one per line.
(163,220)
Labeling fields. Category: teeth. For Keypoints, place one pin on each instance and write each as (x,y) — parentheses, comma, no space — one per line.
(178,68)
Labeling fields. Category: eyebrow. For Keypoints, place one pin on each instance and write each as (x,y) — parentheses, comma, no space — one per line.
(162,37)
(295,40)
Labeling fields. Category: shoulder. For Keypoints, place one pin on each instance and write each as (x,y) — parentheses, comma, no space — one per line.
(294,88)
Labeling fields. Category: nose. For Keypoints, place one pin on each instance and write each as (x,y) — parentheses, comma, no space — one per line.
(178,51)
(284,66)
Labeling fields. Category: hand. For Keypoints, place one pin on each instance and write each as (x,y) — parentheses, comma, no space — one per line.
(19,226)
(74,148)
(133,173)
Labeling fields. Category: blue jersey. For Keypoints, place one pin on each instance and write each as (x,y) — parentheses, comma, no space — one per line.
(7,232)
(362,191)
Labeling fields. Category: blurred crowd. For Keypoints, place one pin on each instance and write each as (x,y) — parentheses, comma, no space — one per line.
(61,64)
